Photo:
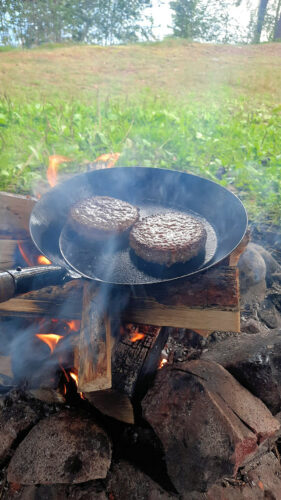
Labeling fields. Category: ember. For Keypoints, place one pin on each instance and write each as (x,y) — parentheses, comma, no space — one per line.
(137,336)
(74,325)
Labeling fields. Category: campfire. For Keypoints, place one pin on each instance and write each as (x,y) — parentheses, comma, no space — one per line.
(136,370)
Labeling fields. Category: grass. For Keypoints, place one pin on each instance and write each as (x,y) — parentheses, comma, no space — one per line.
(211,110)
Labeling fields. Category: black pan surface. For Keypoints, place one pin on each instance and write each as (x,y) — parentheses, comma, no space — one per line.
(153,191)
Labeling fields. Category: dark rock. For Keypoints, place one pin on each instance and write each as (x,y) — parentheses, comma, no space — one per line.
(92,490)
(255,361)
(64,448)
(125,481)
(269,315)
(252,269)
(16,418)
(198,411)
(250,326)
(272,266)
(266,475)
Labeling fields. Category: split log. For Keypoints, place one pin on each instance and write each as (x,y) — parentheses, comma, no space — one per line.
(14,214)
(135,359)
(95,343)
(6,374)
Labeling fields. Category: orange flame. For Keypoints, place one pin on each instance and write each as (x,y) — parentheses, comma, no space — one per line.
(109,159)
(43,261)
(162,363)
(23,254)
(54,161)
(51,339)
(75,378)
(137,336)
(74,325)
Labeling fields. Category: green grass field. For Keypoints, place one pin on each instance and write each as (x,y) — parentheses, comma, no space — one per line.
(211,110)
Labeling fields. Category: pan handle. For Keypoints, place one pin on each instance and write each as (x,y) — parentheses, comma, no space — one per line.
(17,281)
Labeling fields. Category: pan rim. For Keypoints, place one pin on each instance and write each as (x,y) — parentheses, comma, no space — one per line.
(72,269)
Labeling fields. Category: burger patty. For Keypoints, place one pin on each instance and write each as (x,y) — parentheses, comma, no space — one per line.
(101,217)
(168,238)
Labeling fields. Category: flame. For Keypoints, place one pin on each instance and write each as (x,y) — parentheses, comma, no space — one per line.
(43,261)
(74,325)
(51,339)
(75,378)
(23,254)
(137,336)
(162,363)
(54,161)
(109,158)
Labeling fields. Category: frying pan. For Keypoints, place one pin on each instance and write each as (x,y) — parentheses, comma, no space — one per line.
(153,190)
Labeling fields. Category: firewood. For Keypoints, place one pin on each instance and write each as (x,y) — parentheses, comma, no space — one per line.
(56,302)
(6,374)
(209,301)
(95,343)
(14,214)
(8,249)
(135,359)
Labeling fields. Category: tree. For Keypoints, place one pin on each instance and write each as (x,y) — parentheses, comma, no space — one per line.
(260,20)
(205,20)
(32,22)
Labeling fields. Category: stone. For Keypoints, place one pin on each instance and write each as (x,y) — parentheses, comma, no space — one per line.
(268,314)
(209,425)
(272,266)
(125,481)
(250,326)
(252,268)
(92,490)
(16,418)
(63,448)
(255,361)
(266,475)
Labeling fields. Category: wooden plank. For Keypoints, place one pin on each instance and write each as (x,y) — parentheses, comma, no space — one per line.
(54,301)
(209,302)
(8,250)
(95,343)
(14,214)
(152,313)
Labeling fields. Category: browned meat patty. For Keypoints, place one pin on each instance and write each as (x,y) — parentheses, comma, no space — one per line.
(168,238)
(101,217)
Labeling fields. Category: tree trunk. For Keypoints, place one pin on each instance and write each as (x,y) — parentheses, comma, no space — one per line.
(277,22)
(260,20)
(277,30)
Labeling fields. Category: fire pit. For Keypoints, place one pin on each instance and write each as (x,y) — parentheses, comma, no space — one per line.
(116,358)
